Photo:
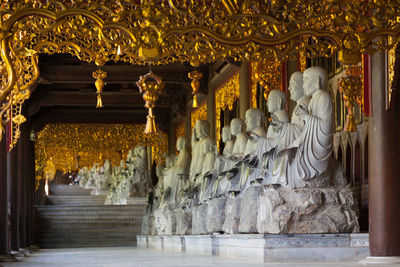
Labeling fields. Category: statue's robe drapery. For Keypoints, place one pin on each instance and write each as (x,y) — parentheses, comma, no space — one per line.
(310,153)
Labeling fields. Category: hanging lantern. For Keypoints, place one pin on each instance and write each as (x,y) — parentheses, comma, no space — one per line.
(195,76)
(99,75)
(151,86)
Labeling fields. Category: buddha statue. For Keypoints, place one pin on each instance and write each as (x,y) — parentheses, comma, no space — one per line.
(106,174)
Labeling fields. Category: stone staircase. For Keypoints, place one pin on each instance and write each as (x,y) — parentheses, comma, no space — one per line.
(74,218)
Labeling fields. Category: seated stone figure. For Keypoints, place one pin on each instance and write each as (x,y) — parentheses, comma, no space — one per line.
(207,174)
(107,170)
(180,174)
(255,121)
(310,154)
(223,164)
(83,176)
(139,173)
(263,157)
(200,140)
(288,132)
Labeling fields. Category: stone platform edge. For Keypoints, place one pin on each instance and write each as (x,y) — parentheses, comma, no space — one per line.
(265,247)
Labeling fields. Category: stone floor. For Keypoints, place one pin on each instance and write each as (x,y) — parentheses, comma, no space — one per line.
(132,256)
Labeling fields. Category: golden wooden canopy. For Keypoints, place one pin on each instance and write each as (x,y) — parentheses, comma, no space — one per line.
(166,31)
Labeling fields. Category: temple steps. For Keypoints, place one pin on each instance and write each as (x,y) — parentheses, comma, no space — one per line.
(74,218)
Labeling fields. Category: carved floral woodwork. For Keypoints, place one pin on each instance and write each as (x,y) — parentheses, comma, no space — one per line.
(198,32)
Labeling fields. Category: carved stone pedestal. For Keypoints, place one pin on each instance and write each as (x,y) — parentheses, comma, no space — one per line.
(215,215)
(199,219)
(249,210)
(306,210)
(232,215)
(183,222)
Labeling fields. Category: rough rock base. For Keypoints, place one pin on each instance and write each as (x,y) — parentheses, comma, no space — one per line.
(232,215)
(306,211)
(199,219)
(183,222)
(249,210)
(215,215)
(164,221)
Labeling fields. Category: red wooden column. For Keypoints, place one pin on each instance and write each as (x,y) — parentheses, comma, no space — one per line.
(384,160)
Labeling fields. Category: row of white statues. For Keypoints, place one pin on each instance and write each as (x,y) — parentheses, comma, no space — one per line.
(257,164)
(118,183)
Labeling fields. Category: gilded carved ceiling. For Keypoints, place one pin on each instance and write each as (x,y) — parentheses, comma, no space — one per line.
(161,32)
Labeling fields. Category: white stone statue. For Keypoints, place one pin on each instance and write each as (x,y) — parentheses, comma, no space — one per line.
(209,165)
(310,153)
(181,170)
(200,140)
(107,171)
(238,129)
(139,179)
(83,176)
(255,121)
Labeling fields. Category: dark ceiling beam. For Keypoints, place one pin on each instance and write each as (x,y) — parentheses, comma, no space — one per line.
(55,74)
(87,116)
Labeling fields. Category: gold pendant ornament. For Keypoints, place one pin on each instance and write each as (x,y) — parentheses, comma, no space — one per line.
(151,86)
(351,87)
(195,76)
(99,75)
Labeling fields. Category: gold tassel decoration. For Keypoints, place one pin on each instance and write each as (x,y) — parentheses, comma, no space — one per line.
(99,101)
(150,85)
(195,104)
(99,75)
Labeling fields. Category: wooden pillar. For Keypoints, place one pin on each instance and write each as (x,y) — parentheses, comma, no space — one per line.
(21,188)
(384,159)
(3,199)
(244,82)
(4,241)
(12,182)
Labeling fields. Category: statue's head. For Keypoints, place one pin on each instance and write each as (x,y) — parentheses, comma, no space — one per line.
(226,134)
(237,126)
(208,147)
(276,100)
(314,78)
(296,86)
(202,128)
(181,143)
(169,161)
(254,118)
